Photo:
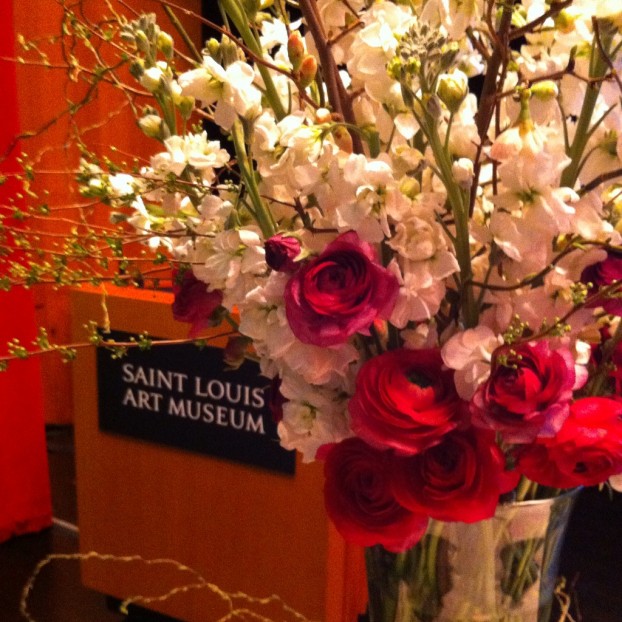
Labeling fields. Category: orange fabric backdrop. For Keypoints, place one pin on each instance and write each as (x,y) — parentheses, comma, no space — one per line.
(24,483)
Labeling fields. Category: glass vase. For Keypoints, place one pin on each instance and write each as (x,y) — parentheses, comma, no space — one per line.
(503,569)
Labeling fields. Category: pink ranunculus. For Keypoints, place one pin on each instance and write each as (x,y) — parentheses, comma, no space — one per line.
(339,293)
(281,251)
(603,274)
(460,479)
(405,400)
(528,393)
(193,303)
(359,498)
(586,451)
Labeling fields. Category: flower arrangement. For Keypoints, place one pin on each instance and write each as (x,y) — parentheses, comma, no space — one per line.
(411,212)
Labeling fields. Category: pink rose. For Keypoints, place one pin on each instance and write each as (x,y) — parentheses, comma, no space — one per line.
(359,498)
(460,479)
(528,392)
(193,303)
(405,400)
(586,451)
(339,293)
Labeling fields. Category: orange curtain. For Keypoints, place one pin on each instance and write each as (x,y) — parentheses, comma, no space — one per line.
(24,482)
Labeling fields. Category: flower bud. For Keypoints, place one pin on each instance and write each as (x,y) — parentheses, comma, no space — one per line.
(323,115)
(281,252)
(165,44)
(432,106)
(212,47)
(228,51)
(452,89)
(137,68)
(462,171)
(142,42)
(410,187)
(545,91)
(151,125)
(185,104)
(308,70)
(565,21)
(343,139)
(151,79)
(295,50)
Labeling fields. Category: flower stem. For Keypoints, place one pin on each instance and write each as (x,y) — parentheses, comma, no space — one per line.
(459,202)
(262,213)
(240,21)
(598,68)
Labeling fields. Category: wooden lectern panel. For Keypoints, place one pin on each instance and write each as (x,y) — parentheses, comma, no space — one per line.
(241,527)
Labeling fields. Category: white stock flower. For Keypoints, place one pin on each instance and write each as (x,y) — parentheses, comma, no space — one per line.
(196,150)
(454,15)
(232,89)
(420,294)
(469,352)
(227,258)
(375,45)
(313,416)
(263,319)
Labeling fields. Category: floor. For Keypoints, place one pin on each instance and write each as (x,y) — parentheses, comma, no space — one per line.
(591,559)
(57,595)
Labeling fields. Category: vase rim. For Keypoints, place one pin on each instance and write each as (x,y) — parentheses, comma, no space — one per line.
(571,492)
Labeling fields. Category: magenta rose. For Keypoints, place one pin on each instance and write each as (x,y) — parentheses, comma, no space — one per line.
(281,251)
(604,274)
(359,498)
(339,293)
(405,400)
(586,451)
(460,479)
(193,303)
(528,393)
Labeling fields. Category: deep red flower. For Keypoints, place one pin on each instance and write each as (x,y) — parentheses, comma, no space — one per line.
(603,274)
(528,393)
(586,451)
(405,400)
(339,293)
(460,479)
(281,250)
(193,303)
(359,498)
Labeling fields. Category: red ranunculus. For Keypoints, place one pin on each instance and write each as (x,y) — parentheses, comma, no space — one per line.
(193,303)
(339,293)
(460,479)
(603,274)
(360,502)
(585,452)
(528,393)
(405,400)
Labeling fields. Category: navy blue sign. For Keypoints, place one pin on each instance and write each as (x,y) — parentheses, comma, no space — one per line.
(183,396)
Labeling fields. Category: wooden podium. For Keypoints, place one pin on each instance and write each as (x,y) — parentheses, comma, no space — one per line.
(241,527)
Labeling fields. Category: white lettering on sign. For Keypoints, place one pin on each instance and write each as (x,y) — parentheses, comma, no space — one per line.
(232,393)
(210,401)
(220,415)
(143,400)
(154,378)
